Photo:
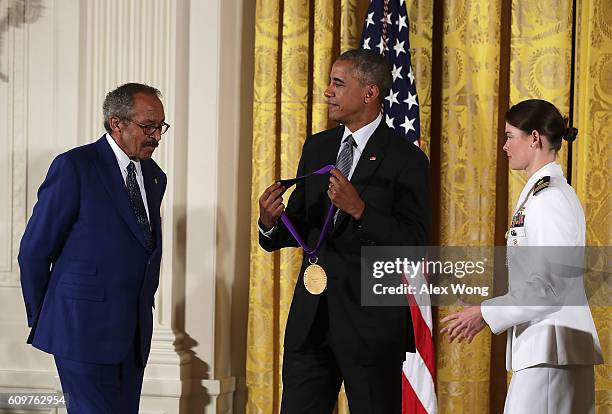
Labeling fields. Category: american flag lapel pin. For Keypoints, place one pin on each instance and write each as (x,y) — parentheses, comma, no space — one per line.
(373,158)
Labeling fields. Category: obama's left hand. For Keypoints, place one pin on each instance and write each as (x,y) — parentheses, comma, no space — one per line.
(344,195)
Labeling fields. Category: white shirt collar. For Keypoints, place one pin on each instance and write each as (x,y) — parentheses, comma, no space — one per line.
(363,134)
(122,159)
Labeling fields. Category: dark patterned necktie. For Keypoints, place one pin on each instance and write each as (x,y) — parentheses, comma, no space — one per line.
(138,205)
(344,164)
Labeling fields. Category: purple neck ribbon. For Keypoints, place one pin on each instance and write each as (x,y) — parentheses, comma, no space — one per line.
(312,253)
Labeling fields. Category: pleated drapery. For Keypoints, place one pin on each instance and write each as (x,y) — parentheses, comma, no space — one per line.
(472,60)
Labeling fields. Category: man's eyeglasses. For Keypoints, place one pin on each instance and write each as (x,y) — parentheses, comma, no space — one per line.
(150,129)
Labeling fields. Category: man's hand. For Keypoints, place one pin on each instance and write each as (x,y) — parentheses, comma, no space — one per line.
(464,324)
(271,205)
(344,195)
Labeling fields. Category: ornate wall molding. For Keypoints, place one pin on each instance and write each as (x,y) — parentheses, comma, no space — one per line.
(14,122)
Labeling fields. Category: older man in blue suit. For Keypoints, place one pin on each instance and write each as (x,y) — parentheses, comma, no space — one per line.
(90,256)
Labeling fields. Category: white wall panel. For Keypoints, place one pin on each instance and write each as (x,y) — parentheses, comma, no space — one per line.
(58,59)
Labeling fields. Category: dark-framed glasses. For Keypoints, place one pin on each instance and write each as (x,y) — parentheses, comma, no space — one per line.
(150,129)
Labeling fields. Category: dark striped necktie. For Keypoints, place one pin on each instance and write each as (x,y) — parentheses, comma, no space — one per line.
(344,164)
(138,206)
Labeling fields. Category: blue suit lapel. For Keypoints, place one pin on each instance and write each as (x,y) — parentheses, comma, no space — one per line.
(152,182)
(112,180)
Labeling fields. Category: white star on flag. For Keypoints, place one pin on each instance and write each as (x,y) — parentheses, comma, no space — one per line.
(381,46)
(392,98)
(389,121)
(366,43)
(402,23)
(396,72)
(408,125)
(411,100)
(399,47)
(369,19)
(388,18)
(411,76)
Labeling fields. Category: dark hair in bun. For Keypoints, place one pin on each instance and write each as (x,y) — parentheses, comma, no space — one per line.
(544,117)
(570,134)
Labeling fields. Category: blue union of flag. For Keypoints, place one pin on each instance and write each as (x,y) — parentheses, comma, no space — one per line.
(386,31)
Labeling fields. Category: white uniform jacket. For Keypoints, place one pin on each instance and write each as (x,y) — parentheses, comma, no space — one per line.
(553,334)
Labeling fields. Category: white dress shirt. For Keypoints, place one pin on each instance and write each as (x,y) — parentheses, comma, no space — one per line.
(361,137)
(123,161)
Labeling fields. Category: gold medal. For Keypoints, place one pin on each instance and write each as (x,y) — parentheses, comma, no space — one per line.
(315,279)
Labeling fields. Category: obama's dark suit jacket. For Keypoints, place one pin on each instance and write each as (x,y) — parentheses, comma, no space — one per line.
(392,178)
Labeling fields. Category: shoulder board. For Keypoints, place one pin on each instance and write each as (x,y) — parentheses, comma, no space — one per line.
(541,184)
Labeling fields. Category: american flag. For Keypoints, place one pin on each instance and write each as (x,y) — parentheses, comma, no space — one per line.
(386,30)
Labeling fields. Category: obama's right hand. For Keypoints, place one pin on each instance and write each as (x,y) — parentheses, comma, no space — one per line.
(271,205)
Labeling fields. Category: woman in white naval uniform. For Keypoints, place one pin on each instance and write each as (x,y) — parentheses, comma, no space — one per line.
(551,349)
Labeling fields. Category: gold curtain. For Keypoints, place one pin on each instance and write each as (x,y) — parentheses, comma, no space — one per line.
(541,48)
(467,177)
(291,74)
(472,59)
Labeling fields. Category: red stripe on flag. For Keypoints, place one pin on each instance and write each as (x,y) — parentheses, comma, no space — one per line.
(423,339)
(410,403)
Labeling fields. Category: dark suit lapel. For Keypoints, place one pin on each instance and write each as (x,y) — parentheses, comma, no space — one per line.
(152,183)
(370,159)
(330,147)
(112,180)
(372,155)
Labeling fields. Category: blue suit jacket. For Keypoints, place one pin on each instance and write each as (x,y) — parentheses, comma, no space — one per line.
(87,278)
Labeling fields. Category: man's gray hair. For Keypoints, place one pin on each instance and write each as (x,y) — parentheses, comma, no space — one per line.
(120,102)
(370,68)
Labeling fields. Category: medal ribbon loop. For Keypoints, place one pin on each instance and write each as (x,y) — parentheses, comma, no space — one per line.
(330,214)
